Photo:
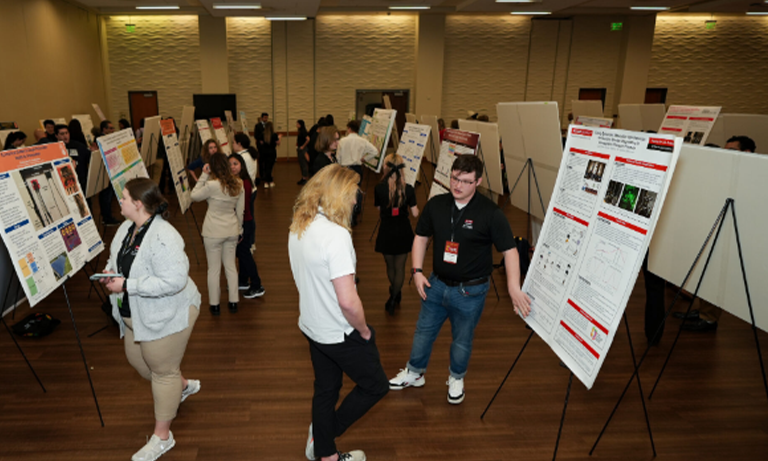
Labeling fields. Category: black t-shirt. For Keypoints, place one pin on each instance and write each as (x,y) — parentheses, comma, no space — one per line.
(301,138)
(128,251)
(321,161)
(478,226)
(82,155)
(381,200)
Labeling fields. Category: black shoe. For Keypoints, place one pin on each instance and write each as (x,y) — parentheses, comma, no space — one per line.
(254,293)
(389,306)
(700,325)
(301,182)
(233,308)
(215,310)
(398,297)
(693,315)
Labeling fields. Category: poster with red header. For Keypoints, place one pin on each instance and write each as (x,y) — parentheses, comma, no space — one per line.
(608,195)
(692,123)
(455,142)
(176,164)
(221,135)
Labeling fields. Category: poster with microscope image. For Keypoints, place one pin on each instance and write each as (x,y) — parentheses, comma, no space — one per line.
(608,195)
(44,221)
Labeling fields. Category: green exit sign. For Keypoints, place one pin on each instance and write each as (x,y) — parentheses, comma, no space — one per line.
(130,28)
(617,26)
(710,25)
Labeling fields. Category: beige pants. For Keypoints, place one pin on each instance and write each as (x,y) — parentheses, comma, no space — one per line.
(159,361)
(221,251)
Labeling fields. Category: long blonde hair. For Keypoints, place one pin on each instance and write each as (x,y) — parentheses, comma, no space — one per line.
(395,179)
(333,188)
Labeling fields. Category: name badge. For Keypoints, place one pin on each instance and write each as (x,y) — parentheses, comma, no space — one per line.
(451,255)
(395,211)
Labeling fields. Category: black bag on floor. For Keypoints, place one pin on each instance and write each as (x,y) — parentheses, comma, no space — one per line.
(36,325)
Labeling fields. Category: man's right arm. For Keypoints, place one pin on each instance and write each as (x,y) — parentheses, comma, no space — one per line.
(417,259)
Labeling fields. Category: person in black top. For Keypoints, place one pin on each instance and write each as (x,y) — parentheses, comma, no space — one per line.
(76,132)
(50,131)
(15,140)
(258,136)
(302,141)
(268,154)
(327,142)
(78,152)
(313,140)
(394,199)
(463,225)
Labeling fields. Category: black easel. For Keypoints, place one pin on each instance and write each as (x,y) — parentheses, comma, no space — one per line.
(8,329)
(718,224)
(82,352)
(531,172)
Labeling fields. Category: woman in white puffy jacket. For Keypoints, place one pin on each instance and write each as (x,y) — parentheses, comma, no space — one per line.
(155,302)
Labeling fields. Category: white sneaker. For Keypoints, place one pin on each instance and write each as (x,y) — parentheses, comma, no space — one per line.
(355,455)
(155,448)
(193,387)
(455,390)
(266,185)
(310,450)
(272,184)
(406,378)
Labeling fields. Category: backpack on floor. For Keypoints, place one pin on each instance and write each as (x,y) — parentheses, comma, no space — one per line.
(36,325)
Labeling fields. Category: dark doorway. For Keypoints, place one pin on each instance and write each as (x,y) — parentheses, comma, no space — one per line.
(656,96)
(592,94)
(368,100)
(142,104)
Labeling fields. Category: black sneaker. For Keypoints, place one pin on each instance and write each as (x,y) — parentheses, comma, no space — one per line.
(254,293)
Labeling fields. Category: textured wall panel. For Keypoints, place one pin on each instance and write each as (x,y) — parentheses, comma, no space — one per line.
(301,73)
(163,55)
(280,75)
(594,61)
(485,63)
(725,67)
(541,64)
(249,45)
(356,52)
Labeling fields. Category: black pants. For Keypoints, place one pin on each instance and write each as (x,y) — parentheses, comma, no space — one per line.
(269,164)
(248,270)
(654,302)
(105,204)
(359,359)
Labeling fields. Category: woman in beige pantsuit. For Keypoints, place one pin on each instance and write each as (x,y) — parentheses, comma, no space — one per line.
(222,227)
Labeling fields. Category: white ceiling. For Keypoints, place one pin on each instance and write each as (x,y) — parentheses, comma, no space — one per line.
(311,8)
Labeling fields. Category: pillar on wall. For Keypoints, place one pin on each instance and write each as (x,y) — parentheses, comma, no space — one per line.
(213,55)
(632,78)
(429,64)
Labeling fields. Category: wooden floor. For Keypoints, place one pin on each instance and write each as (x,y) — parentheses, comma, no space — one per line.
(257,379)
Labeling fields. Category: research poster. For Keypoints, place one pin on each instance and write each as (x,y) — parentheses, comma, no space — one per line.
(455,142)
(434,139)
(221,135)
(176,164)
(86,123)
(204,130)
(120,154)
(365,127)
(692,123)
(151,140)
(230,127)
(378,133)
(46,223)
(185,130)
(243,123)
(98,179)
(597,122)
(411,148)
(608,196)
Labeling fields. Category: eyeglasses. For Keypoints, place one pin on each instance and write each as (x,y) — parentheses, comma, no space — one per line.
(463,182)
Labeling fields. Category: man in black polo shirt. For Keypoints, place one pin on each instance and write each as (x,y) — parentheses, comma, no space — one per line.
(464,225)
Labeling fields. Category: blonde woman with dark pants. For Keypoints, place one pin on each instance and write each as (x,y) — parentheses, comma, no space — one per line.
(155,302)
(223,226)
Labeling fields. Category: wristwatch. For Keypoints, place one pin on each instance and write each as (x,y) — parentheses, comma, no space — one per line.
(414,270)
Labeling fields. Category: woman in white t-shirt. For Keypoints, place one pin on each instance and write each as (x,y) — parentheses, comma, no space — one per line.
(331,313)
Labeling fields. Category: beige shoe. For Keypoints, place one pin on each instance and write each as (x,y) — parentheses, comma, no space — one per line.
(156,447)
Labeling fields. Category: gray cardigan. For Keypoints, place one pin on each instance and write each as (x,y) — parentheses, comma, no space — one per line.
(159,285)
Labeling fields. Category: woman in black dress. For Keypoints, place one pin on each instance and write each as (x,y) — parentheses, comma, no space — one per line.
(268,150)
(394,199)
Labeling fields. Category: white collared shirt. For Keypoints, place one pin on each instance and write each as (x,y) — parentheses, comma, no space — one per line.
(353,148)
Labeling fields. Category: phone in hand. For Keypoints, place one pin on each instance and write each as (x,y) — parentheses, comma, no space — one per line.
(95,277)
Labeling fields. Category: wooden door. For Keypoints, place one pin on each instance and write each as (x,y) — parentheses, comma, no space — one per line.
(655,95)
(143,104)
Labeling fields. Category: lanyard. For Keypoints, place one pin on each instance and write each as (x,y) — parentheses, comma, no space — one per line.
(455,222)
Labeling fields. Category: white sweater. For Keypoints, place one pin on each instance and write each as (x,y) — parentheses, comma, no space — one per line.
(159,285)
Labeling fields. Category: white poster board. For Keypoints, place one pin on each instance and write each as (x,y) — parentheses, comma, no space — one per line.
(176,164)
(122,158)
(221,135)
(641,117)
(378,133)
(87,125)
(433,148)
(455,142)
(98,178)
(489,152)
(591,108)
(596,122)
(204,130)
(151,139)
(411,118)
(99,112)
(754,126)
(531,130)
(692,123)
(186,130)
(411,149)
(608,196)
(704,179)
(46,223)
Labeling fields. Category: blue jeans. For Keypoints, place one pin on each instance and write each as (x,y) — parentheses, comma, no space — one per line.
(463,307)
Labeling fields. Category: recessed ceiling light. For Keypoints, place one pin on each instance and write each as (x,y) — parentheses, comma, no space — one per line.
(757,13)
(649,8)
(287,18)
(415,7)
(522,1)
(236,6)
(158,7)
(530,13)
